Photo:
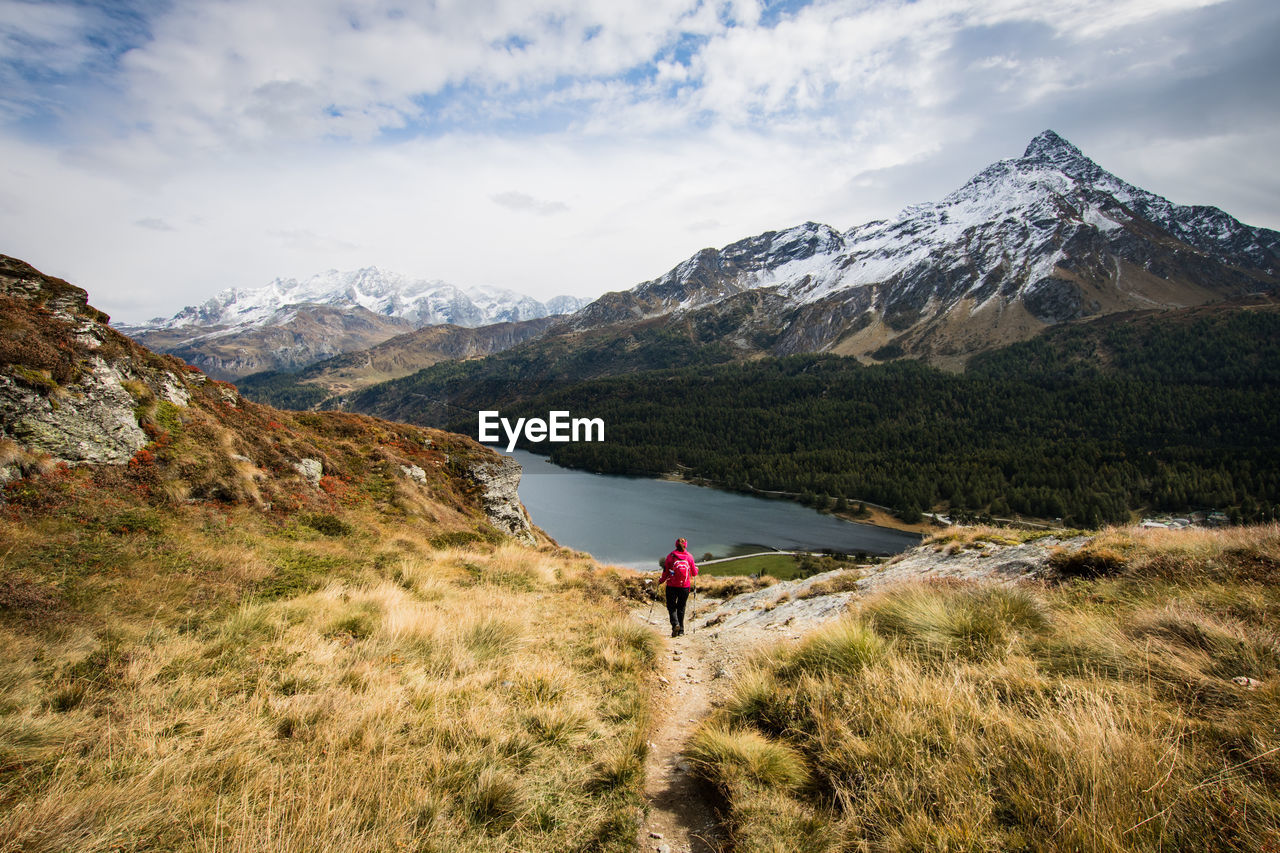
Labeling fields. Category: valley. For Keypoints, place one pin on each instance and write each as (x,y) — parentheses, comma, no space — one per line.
(994,320)
(336,625)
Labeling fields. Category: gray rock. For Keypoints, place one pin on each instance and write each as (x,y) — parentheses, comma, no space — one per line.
(172,389)
(413,472)
(1004,563)
(499,480)
(784,607)
(311,470)
(91,421)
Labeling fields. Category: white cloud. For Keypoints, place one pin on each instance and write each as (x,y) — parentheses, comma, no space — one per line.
(285,138)
(525,203)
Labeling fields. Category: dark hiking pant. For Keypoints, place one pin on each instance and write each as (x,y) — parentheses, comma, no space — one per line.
(677,598)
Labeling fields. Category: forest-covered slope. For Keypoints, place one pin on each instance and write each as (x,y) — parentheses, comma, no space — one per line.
(1084,423)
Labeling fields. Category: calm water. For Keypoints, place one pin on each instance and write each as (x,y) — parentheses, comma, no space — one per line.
(633,521)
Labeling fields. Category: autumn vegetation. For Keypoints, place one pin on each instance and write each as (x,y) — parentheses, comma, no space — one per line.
(1132,705)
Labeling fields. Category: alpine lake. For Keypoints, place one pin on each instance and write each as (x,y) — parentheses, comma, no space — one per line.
(634,521)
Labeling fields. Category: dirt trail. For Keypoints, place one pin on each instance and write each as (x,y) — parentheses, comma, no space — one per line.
(682,816)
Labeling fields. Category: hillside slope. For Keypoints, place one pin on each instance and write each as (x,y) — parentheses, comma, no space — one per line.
(231,627)
(1125,700)
(295,336)
(392,359)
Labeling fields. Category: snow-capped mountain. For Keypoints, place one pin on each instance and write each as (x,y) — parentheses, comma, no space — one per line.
(289,324)
(422,303)
(1027,242)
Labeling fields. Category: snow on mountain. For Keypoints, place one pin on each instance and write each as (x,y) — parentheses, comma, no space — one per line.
(389,294)
(1049,235)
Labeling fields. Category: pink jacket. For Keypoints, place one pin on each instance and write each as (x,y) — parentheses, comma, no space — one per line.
(678,569)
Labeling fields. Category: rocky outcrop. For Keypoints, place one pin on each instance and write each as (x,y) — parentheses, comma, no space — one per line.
(70,386)
(310,470)
(793,607)
(986,561)
(74,390)
(91,421)
(499,481)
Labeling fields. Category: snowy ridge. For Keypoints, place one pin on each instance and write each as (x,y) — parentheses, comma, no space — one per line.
(389,294)
(1006,233)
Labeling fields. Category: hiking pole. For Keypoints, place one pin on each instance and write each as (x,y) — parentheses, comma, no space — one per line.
(652,599)
(693,595)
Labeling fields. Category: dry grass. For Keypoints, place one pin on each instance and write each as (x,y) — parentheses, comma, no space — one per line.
(844,581)
(977,535)
(227,682)
(1091,715)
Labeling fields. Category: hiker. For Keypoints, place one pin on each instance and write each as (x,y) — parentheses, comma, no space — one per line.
(678,572)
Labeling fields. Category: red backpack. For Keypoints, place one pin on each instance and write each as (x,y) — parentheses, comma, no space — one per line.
(681,570)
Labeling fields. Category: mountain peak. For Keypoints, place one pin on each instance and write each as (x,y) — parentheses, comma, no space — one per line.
(1048,145)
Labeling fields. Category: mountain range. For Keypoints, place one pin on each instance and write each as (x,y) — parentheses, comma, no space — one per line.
(289,323)
(1045,238)
(1028,243)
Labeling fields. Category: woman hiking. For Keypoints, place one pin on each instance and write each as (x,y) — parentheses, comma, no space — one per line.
(678,572)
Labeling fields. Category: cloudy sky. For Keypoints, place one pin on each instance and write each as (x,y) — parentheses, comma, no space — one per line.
(157,151)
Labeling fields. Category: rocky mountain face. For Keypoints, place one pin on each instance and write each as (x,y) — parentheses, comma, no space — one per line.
(407,353)
(289,339)
(75,391)
(1045,238)
(289,323)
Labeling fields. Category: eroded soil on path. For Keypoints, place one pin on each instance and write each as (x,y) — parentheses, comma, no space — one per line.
(696,668)
(682,816)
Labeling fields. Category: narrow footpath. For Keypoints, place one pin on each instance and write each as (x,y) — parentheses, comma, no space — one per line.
(682,816)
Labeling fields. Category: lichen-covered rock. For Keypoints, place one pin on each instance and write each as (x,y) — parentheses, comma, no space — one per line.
(91,421)
(415,473)
(172,389)
(310,469)
(499,481)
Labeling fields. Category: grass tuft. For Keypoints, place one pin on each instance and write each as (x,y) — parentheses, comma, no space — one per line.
(976,622)
(846,646)
(728,756)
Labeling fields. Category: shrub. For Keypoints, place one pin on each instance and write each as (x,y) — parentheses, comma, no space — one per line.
(454,539)
(1089,562)
(298,572)
(327,524)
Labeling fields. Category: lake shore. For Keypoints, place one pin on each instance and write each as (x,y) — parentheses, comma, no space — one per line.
(875,516)
(632,520)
